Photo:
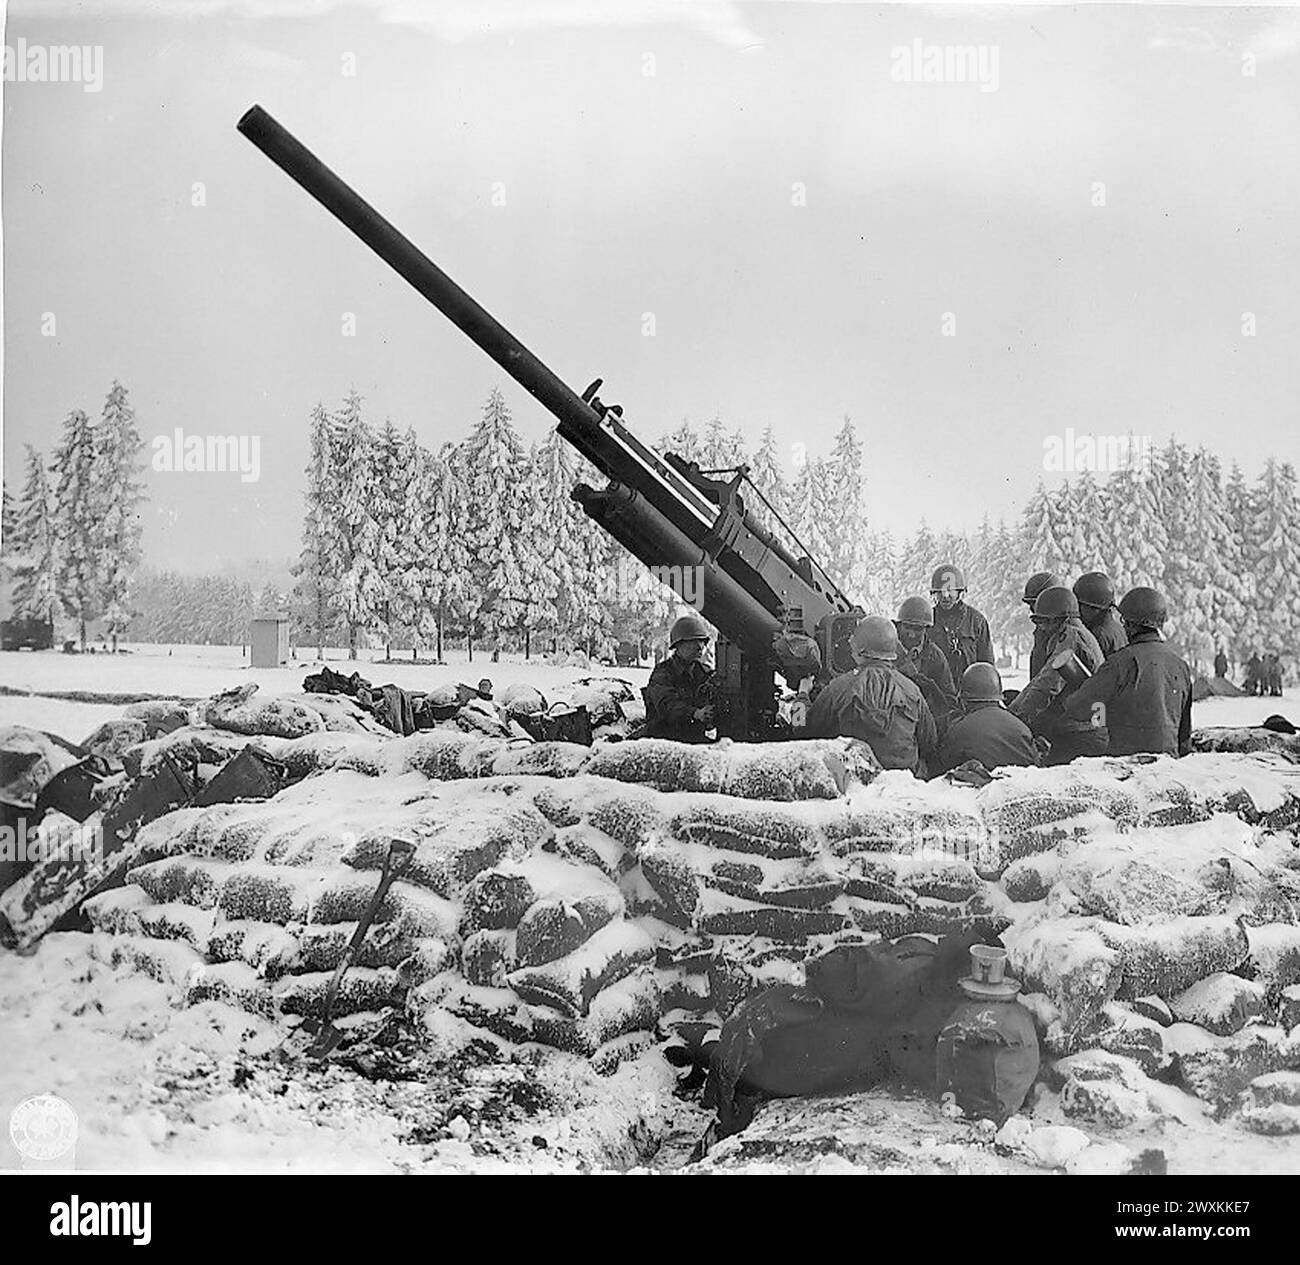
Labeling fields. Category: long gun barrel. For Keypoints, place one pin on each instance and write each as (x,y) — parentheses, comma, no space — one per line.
(651,507)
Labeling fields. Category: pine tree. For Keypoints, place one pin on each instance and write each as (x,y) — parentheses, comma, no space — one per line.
(77,520)
(491,465)
(317,569)
(720,450)
(392,471)
(919,558)
(8,525)
(449,578)
(35,545)
(767,476)
(846,518)
(808,518)
(119,490)
(359,588)
(1137,525)
(1240,558)
(1275,531)
(1044,531)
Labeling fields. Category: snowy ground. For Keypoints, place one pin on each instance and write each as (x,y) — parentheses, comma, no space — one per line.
(209,1088)
(198,671)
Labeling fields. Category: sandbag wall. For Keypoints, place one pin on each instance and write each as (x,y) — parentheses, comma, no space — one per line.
(593,899)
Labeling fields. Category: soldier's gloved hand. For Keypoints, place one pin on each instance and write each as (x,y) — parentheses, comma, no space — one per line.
(704,715)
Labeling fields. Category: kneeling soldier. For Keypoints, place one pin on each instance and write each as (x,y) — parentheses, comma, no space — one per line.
(679,695)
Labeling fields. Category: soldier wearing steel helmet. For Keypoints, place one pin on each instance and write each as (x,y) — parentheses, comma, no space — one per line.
(986,731)
(921,661)
(1036,583)
(960,631)
(1096,597)
(877,703)
(1041,704)
(1143,692)
(679,695)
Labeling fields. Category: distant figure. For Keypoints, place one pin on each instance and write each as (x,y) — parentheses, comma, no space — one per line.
(1143,693)
(1273,674)
(987,732)
(679,694)
(1221,664)
(1254,674)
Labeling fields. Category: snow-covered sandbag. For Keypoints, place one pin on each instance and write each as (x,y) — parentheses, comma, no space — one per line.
(268,948)
(339,713)
(320,947)
(1106,1088)
(117,910)
(765,830)
(238,711)
(28,759)
(496,900)
(1124,1031)
(454,843)
(192,747)
(1275,954)
(1220,1003)
(193,881)
(1067,959)
(1167,958)
(1031,877)
(267,893)
(585,845)
(1270,1104)
(487,957)
(523,700)
(345,895)
(234,983)
(783,771)
(170,962)
(329,749)
(362,989)
(160,716)
(632,1004)
(1220,1070)
(174,921)
(114,737)
(569,984)
(542,759)
(555,927)
(800,884)
(1128,889)
(446,754)
(720,914)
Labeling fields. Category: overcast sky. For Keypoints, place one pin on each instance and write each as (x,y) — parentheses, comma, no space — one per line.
(674,193)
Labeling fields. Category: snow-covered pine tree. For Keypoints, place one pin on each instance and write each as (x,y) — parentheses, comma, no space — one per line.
(449,577)
(846,516)
(77,520)
(1178,577)
(808,512)
(1137,527)
(1008,615)
(317,569)
(1202,611)
(119,490)
(1240,557)
(353,481)
(767,475)
(393,456)
(491,464)
(1275,531)
(34,544)
(684,442)
(919,557)
(8,524)
(1044,531)
(719,449)
(1086,542)
(268,601)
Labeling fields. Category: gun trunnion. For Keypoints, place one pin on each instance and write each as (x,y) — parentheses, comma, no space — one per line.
(663,510)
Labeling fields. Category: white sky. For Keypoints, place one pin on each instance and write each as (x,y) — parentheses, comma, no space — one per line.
(671,194)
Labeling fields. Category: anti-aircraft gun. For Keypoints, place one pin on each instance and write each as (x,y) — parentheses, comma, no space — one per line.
(688,525)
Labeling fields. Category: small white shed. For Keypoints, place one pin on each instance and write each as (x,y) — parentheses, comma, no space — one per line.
(269,642)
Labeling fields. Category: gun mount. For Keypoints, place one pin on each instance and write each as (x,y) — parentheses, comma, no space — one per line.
(669,514)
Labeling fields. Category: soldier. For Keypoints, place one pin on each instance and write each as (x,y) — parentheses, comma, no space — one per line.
(1273,673)
(920,660)
(987,732)
(1096,597)
(1041,704)
(679,694)
(1036,583)
(877,703)
(1143,693)
(960,631)
(1254,668)
(1220,664)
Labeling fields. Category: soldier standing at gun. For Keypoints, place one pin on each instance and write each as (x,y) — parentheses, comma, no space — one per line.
(921,661)
(960,631)
(679,695)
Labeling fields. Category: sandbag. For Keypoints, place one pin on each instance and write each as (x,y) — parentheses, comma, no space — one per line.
(987,1058)
(238,712)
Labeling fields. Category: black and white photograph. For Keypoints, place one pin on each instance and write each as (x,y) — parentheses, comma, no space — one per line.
(651,587)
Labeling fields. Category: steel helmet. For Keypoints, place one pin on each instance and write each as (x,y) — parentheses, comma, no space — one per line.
(1094,588)
(1039,581)
(875,638)
(688,628)
(1056,602)
(945,573)
(916,610)
(981,683)
(1143,607)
